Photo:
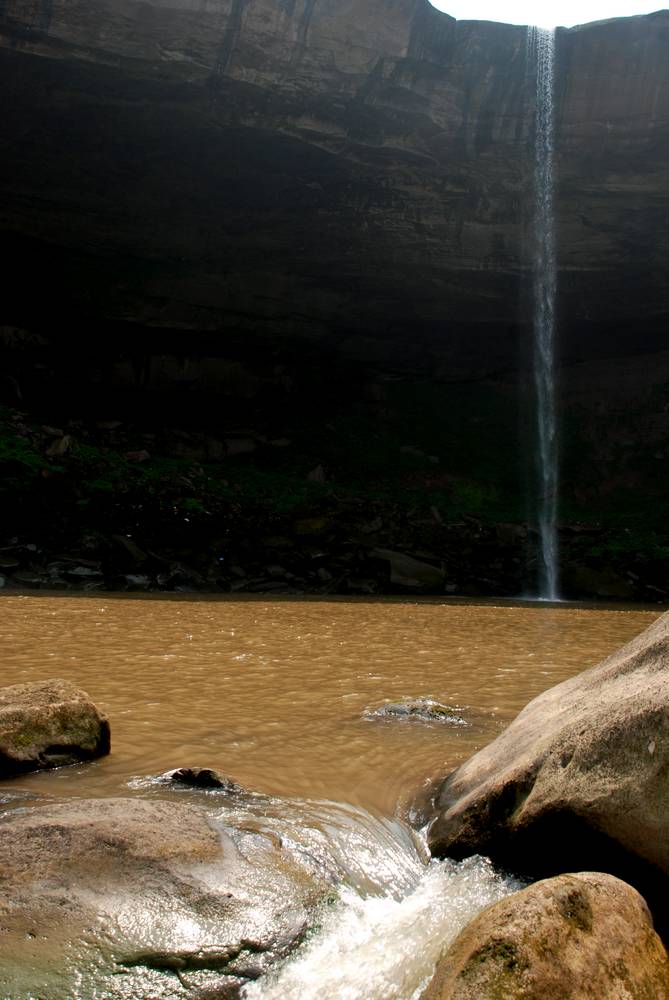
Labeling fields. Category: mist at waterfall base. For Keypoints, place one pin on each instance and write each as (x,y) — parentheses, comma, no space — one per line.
(545,15)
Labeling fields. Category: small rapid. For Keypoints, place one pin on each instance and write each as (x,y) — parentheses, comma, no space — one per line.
(392,912)
(384,948)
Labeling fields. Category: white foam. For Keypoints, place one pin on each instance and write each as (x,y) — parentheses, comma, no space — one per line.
(384,948)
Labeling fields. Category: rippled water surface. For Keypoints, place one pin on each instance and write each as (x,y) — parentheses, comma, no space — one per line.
(272,692)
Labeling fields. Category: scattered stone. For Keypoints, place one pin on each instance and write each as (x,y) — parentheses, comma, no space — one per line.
(576,936)
(136,581)
(358,585)
(87,574)
(577,780)
(275,571)
(239,446)
(598,582)
(181,578)
(48,724)
(59,447)
(317,475)
(33,580)
(418,709)
(409,572)
(137,456)
(131,547)
(372,527)
(311,526)
(511,534)
(203,777)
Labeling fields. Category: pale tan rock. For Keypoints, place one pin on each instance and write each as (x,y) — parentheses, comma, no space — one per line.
(142,898)
(47,724)
(587,936)
(579,779)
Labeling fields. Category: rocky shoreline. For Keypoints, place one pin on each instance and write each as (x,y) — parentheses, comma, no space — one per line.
(100,505)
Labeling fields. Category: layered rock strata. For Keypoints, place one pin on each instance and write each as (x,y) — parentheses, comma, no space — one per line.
(356,176)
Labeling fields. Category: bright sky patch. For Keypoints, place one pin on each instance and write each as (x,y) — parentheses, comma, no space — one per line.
(546,14)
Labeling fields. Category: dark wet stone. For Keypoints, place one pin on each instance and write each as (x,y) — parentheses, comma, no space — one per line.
(204,777)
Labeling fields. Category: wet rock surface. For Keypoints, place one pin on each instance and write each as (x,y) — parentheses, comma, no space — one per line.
(580,936)
(47,724)
(578,779)
(134,897)
(202,777)
(419,710)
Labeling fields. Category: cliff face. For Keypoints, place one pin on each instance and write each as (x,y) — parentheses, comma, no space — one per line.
(613,146)
(355,174)
(268,213)
(290,169)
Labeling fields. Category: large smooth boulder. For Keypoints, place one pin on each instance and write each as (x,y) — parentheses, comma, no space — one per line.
(47,724)
(144,898)
(578,780)
(579,936)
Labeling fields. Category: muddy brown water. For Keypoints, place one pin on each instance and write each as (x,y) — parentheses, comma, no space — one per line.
(272,692)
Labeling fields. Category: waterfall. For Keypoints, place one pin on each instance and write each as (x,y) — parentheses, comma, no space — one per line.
(542,52)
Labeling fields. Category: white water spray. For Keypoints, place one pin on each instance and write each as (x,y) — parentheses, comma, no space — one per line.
(385,948)
(542,51)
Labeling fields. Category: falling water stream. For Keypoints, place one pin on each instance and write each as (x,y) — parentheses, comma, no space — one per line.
(542,52)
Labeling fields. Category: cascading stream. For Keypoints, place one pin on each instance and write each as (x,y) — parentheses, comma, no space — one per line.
(542,52)
(384,945)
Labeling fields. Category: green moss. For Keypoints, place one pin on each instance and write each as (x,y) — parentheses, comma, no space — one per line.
(23,739)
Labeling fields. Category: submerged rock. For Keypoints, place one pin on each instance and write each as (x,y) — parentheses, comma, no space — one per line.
(419,709)
(144,898)
(577,936)
(203,777)
(577,780)
(47,724)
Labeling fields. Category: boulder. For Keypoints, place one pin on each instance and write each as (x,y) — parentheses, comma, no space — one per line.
(579,936)
(578,780)
(143,898)
(47,724)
